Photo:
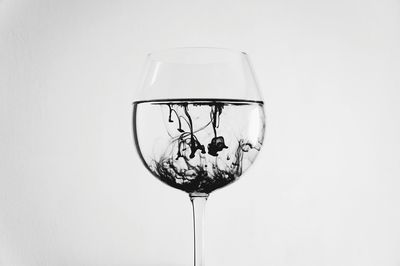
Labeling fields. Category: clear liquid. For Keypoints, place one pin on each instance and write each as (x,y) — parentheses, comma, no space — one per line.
(198,145)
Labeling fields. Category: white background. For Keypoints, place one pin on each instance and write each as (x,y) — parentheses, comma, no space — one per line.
(324,190)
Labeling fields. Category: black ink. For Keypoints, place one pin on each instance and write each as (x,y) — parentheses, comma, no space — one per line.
(217,144)
(187,165)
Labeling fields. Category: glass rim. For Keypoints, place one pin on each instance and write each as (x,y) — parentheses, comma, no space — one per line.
(215,48)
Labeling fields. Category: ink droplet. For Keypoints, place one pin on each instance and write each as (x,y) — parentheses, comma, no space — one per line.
(217,144)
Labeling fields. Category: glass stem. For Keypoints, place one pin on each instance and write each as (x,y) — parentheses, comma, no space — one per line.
(198,202)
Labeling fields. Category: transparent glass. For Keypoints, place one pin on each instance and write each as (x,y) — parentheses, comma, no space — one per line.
(198,122)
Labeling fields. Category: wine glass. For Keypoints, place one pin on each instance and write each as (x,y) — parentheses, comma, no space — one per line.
(198,122)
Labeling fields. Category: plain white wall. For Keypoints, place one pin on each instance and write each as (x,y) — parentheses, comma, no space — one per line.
(324,190)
